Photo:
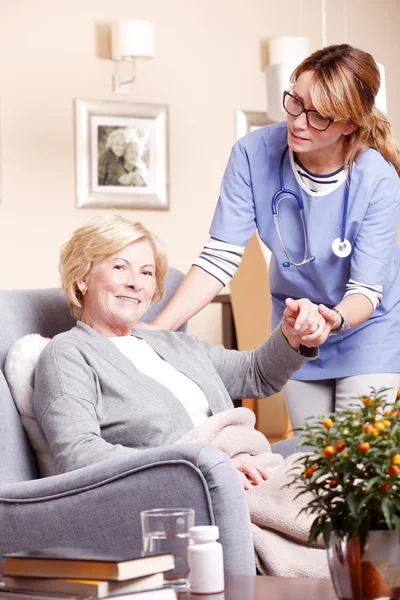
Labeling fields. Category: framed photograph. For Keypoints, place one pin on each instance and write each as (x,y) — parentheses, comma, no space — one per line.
(121,155)
(249,120)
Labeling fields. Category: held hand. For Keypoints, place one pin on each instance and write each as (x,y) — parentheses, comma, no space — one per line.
(303,324)
(331,320)
(307,318)
(287,329)
(251,474)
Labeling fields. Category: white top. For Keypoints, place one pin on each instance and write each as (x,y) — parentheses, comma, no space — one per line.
(146,360)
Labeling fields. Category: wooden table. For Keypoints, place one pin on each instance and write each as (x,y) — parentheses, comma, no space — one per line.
(228,322)
(244,587)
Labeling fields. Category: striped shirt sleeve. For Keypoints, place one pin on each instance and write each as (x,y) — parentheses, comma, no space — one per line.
(220,259)
(374,293)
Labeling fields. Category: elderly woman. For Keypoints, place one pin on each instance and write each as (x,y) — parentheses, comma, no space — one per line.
(130,170)
(110,161)
(106,389)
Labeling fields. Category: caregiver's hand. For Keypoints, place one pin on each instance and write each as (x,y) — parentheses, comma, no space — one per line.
(308,318)
(322,324)
(251,474)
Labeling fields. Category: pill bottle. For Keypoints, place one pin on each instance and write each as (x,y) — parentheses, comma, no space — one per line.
(205,560)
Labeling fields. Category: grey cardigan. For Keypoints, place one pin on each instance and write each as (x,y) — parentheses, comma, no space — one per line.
(93,404)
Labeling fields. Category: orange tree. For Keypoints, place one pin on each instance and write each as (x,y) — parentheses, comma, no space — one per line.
(352,470)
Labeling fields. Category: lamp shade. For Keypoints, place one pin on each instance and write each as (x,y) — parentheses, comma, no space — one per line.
(287,48)
(131,39)
(380,99)
(285,53)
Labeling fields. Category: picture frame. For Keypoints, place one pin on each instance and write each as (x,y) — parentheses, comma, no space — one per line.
(121,155)
(250,120)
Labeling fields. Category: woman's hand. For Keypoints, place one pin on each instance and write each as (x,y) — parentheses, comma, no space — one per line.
(125,179)
(308,318)
(317,326)
(251,474)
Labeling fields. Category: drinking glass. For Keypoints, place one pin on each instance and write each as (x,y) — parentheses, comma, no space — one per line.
(167,530)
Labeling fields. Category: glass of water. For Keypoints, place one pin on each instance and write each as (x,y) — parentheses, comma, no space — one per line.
(167,530)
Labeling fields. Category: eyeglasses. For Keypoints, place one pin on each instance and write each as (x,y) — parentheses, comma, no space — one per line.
(294,107)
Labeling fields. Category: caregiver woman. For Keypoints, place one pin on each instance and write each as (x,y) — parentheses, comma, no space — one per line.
(337,156)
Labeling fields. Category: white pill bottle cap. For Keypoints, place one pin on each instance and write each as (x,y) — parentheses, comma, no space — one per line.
(204,533)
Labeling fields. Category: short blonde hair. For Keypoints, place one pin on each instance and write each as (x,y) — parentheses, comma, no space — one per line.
(95,241)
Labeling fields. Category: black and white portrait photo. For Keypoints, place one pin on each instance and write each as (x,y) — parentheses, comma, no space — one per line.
(121,155)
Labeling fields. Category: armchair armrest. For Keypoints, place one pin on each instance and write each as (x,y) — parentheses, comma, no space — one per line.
(100,505)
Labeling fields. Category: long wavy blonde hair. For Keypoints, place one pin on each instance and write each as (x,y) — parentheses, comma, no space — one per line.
(345,83)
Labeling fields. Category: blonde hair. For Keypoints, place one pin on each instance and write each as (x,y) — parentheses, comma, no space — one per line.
(345,83)
(94,242)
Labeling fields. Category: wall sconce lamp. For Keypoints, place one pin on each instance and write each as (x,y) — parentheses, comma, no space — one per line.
(380,98)
(285,53)
(129,40)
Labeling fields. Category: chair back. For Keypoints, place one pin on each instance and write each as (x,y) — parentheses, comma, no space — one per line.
(43,311)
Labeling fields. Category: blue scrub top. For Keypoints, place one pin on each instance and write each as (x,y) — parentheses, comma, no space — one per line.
(249,183)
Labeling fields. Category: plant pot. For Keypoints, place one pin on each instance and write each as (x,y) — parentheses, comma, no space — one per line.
(369,573)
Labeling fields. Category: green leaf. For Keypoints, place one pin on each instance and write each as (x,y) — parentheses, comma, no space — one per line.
(396,521)
(326,532)
(315,530)
(387,512)
(372,482)
(353,504)
(316,475)
(363,532)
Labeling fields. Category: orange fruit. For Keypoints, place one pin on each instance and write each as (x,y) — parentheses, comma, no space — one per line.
(329,451)
(310,470)
(364,447)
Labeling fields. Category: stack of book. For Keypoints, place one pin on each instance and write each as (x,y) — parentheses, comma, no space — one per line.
(85,573)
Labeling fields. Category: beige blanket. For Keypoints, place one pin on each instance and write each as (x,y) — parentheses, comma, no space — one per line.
(280,535)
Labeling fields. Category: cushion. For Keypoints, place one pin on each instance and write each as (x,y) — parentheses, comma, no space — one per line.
(20,373)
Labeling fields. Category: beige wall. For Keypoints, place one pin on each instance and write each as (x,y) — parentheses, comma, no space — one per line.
(208,64)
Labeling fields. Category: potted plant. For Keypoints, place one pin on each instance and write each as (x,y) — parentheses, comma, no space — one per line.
(351,479)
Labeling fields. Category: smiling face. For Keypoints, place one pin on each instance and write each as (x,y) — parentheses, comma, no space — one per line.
(118,145)
(131,154)
(321,146)
(120,289)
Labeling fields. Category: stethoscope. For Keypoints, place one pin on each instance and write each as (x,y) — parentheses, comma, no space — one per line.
(340,246)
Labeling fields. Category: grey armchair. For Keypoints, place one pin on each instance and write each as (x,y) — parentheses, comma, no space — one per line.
(100,505)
